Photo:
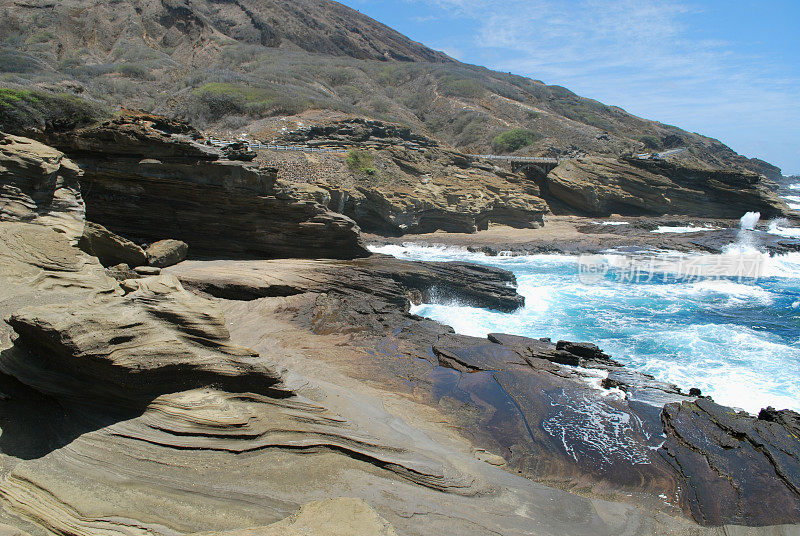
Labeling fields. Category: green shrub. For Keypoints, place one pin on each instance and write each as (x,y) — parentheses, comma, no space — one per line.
(218,99)
(360,162)
(22,110)
(14,61)
(651,142)
(513,140)
(132,70)
(453,86)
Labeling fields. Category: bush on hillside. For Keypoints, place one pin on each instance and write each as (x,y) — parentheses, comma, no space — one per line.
(360,162)
(651,142)
(453,86)
(22,110)
(513,140)
(14,61)
(135,71)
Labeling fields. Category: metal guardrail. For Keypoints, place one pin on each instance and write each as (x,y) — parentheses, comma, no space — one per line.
(257,145)
(532,159)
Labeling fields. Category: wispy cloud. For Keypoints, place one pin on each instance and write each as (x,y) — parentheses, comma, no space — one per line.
(646,56)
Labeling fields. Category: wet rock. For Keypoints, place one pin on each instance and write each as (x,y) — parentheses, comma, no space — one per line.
(38,184)
(735,468)
(166,253)
(583,349)
(109,248)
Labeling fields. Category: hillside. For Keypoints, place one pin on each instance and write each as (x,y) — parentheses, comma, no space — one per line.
(246,65)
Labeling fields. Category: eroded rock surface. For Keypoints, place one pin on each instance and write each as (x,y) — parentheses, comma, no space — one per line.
(145,183)
(562,413)
(38,184)
(329,517)
(406,184)
(603,186)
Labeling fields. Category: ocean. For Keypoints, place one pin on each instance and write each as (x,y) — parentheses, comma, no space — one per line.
(731,329)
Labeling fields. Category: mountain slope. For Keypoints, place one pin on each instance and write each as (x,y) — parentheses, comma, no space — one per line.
(234,65)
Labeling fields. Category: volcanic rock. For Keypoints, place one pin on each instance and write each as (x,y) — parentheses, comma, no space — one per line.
(735,468)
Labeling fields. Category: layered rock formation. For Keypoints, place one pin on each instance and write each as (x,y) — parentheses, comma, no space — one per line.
(129,408)
(603,186)
(349,132)
(410,185)
(145,183)
(38,184)
(561,413)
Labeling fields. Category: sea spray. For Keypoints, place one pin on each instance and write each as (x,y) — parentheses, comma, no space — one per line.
(749,221)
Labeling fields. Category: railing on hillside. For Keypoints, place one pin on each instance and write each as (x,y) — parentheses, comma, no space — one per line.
(258,145)
(531,159)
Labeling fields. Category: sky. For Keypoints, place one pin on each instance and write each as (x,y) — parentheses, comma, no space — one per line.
(729,69)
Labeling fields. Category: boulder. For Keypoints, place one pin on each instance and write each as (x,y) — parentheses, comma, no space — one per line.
(166,253)
(121,272)
(38,184)
(109,248)
(147,270)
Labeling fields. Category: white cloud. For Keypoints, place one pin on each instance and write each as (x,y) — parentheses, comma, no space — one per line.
(643,56)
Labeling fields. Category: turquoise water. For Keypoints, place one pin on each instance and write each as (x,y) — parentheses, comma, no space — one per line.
(737,339)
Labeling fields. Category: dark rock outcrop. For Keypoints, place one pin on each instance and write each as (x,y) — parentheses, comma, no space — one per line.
(361,132)
(604,186)
(735,468)
(375,279)
(144,183)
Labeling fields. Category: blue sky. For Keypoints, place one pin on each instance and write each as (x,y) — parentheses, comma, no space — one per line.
(726,69)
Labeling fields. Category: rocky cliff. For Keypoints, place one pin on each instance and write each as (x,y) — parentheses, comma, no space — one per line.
(146,183)
(603,186)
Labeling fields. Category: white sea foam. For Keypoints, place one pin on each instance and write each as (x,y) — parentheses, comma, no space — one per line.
(663,229)
(794,186)
(781,227)
(611,223)
(706,333)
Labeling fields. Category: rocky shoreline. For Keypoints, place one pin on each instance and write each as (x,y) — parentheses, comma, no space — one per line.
(224,392)
(575,235)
